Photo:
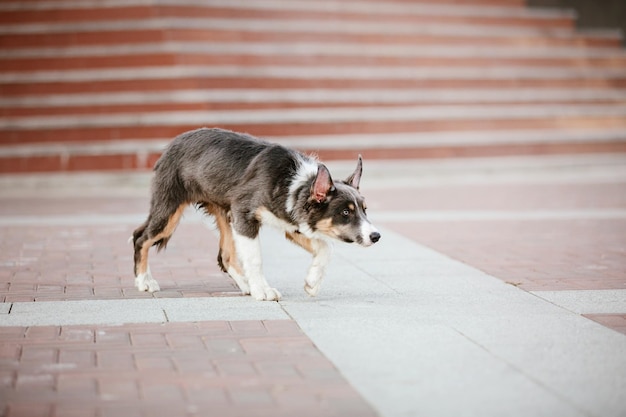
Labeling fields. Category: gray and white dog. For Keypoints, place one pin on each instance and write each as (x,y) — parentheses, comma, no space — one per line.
(246,182)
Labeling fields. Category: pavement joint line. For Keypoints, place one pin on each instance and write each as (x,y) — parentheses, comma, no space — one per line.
(587,301)
(521,370)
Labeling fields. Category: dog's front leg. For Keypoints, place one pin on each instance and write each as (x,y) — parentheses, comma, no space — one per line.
(321,251)
(249,253)
(321,257)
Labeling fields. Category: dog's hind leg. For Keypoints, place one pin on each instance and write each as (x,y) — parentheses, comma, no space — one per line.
(156,231)
(227,256)
(321,252)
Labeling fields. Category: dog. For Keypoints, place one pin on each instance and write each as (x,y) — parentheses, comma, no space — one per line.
(245,182)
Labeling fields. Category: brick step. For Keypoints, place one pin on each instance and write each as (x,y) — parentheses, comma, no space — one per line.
(69,11)
(13,4)
(244,54)
(271,30)
(160,59)
(279,122)
(142,154)
(273,77)
(215,99)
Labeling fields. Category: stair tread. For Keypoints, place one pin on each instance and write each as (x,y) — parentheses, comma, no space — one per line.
(361,7)
(297,72)
(315,96)
(360,141)
(316,48)
(317,115)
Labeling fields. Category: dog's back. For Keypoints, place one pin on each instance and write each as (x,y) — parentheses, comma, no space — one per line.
(206,164)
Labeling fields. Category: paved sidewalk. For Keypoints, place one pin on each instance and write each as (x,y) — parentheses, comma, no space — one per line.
(489,318)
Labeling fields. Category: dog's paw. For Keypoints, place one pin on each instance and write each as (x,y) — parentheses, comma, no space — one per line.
(245,289)
(239,280)
(313,282)
(265,294)
(145,282)
(312,290)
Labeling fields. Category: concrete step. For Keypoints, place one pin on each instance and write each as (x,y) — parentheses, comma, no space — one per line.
(51,34)
(165,78)
(317,121)
(246,99)
(419,12)
(303,54)
(313,49)
(142,154)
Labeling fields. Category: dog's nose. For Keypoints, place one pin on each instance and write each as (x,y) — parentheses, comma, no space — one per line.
(375,237)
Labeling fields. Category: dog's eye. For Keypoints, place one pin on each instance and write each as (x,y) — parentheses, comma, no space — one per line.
(345,213)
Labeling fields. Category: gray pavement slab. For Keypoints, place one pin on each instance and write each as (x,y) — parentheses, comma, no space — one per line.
(154,310)
(418,333)
(587,301)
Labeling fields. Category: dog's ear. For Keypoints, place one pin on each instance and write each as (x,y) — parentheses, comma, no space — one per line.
(355,178)
(322,185)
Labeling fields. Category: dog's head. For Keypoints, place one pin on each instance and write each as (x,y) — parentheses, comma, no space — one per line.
(338,210)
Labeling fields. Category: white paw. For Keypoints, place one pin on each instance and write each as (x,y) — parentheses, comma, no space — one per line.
(239,280)
(265,294)
(245,288)
(312,290)
(145,282)
(313,282)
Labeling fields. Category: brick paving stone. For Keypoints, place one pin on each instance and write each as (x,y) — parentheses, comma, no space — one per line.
(616,322)
(534,255)
(85,386)
(112,388)
(175,369)
(115,359)
(145,362)
(99,266)
(72,411)
(251,397)
(224,347)
(495,196)
(30,410)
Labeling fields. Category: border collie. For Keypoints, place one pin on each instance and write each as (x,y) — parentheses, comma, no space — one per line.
(245,182)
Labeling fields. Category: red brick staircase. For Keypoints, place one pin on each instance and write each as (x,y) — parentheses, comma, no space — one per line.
(105,84)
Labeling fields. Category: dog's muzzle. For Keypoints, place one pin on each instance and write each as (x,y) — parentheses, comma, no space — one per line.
(369,233)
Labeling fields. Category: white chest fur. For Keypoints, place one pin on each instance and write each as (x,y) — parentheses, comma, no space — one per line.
(267,218)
